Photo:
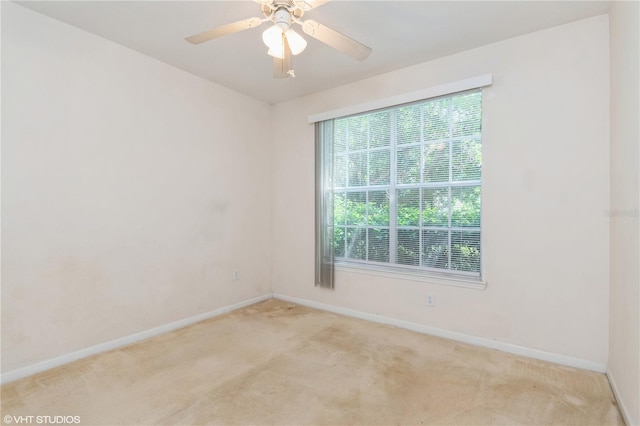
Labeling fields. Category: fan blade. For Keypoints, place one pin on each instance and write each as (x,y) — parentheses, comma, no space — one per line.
(309,4)
(338,41)
(282,67)
(224,30)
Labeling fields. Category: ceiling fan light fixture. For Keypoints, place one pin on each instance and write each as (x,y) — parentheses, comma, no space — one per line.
(296,42)
(277,52)
(272,37)
(276,49)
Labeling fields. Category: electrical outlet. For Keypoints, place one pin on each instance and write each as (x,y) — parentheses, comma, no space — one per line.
(431,301)
(236,274)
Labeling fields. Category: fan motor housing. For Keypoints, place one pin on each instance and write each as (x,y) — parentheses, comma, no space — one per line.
(288,6)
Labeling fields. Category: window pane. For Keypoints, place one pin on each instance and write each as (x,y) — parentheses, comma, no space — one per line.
(339,208)
(435,249)
(435,207)
(356,243)
(338,242)
(408,124)
(340,135)
(408,206)
(465,251)
(340,171)
(466,117)
(408,252)
(357,169)
(379,167)
(378,244)
(430,209)
(436,119)
(356,208)
(436,162)
(467,160)
(465,206)
(378,208)
(357,132)
(380,129)
(408,165)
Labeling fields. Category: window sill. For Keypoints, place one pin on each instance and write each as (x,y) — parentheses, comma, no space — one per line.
(475,283)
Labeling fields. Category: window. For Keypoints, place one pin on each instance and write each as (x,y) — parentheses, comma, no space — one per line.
(406,185)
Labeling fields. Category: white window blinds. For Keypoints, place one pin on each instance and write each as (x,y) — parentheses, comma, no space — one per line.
(406,185)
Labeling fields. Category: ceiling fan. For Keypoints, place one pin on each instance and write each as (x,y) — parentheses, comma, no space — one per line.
(281,38)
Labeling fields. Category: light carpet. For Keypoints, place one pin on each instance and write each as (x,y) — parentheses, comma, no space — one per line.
(278,363)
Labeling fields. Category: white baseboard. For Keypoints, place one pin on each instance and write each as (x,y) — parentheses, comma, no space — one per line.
(124,341)
(621,406)
(478,341)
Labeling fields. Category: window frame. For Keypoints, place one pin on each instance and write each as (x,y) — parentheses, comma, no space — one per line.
(393,187)
(393,270)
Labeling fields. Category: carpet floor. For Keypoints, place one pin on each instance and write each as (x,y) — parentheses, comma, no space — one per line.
(278,363)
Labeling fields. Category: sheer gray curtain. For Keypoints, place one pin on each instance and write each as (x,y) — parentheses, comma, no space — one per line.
(324,204)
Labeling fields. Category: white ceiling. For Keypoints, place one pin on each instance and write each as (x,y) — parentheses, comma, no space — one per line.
(401,33)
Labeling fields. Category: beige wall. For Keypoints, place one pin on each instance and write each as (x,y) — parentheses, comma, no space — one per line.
(130,190)
(545,194)
(624,328)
